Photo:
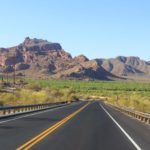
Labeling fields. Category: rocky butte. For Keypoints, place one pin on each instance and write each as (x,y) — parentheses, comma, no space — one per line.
(39,58)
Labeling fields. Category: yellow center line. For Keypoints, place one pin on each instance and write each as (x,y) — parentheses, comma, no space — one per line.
(45,133)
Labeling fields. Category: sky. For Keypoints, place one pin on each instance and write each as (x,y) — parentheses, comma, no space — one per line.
(95,28)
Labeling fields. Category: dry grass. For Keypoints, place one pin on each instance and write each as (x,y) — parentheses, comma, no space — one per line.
(134,95)
(35,96)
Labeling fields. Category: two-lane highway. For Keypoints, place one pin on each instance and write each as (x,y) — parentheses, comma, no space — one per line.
(16,132)
(79,126)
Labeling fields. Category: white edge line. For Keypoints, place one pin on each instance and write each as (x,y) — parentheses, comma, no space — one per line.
(34,113)
(126,134)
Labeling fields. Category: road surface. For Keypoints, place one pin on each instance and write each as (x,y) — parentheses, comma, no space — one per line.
(78,126)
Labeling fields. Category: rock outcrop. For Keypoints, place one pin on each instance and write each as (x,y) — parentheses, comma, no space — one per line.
(40,58)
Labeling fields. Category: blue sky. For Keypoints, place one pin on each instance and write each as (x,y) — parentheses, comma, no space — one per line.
(96,28)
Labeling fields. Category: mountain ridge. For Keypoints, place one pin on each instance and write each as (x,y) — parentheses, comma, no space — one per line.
(126,66)
(43,59)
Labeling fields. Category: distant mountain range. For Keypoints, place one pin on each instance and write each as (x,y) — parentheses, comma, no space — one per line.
(126,66)
(39,58)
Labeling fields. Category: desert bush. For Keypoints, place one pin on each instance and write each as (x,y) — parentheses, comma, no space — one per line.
(33,86)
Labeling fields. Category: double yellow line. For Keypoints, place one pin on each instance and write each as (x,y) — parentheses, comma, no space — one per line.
(45,133)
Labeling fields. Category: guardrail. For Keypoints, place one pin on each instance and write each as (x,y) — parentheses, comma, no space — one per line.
(144,117)
(11,110)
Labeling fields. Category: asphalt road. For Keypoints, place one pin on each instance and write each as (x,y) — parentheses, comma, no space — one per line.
(88,129)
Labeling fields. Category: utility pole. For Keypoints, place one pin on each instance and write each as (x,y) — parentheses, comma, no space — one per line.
(7,70)
(2,74)
(6,77)
(24,77)
(14,74)
(14,71)
(117,98)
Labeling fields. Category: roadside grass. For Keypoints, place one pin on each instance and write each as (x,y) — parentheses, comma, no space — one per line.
(35,94)
(129,94)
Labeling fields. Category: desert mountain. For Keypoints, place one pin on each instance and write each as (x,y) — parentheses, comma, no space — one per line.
(126,66)
(43,59)
(39,58)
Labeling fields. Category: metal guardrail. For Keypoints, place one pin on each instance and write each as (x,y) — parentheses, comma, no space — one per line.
(12,110)
(144,117)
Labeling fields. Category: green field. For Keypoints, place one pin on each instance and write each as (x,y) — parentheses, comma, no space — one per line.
(93,85)
(135,95)
(124,93)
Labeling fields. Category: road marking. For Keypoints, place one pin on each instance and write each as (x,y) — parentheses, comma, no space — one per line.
(119,126)
(45,133)
(32,114)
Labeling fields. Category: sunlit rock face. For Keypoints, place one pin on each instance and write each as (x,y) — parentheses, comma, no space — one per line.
(37,57)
